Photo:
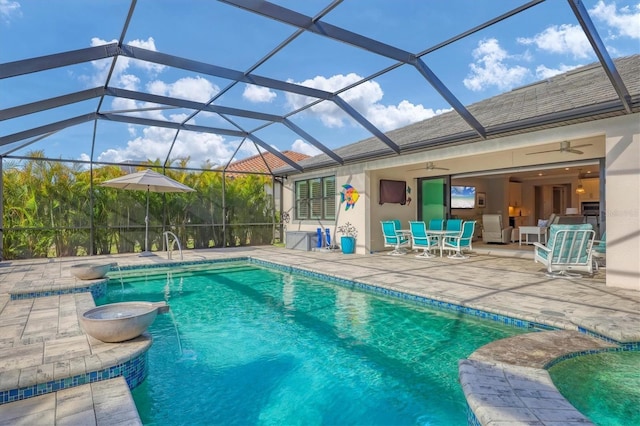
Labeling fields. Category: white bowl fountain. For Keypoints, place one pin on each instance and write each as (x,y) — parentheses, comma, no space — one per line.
(91,271)
(117,322)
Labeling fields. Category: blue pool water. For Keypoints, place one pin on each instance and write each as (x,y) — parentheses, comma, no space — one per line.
(246,345)
(605,387)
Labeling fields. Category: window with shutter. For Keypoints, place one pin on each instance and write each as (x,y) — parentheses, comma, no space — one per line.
(316,198)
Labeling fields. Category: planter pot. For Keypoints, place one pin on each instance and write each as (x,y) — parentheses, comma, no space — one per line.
(348,245)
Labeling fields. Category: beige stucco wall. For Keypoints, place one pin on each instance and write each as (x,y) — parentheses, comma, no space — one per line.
(622,182)
(618,138)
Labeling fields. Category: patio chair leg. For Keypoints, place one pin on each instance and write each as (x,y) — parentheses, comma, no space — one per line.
(457,255)
(426,254)
(397,252)
(562,274)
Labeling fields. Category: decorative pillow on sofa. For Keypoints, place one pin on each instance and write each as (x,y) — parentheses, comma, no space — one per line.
(542,223)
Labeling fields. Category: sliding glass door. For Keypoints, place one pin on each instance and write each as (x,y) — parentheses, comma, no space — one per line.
(434,198)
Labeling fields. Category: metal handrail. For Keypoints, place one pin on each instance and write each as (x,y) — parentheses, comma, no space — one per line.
(170,248)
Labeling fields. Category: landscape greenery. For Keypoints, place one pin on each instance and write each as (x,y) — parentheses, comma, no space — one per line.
(48,210)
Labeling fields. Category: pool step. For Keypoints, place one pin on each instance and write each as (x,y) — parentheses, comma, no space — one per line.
(106,402)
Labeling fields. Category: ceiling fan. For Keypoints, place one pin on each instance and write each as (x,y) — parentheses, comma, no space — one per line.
(565,146)
(430,166)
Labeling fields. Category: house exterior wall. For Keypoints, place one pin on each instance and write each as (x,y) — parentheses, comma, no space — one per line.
(618,139)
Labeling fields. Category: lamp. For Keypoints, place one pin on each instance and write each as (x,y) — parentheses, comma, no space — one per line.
(580,189)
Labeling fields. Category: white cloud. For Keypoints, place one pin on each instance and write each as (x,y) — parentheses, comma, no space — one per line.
(365,98)
(305,148)
(258,94)
(490,69)
(624,22)
(192,88)
(543,72)
(561,39)
(155,142)
(8,9)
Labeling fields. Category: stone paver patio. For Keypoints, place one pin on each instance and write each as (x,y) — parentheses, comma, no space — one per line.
(41,337)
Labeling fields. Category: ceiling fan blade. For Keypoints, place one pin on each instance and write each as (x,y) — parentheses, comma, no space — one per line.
(543,152)
(580,146)
(574,151)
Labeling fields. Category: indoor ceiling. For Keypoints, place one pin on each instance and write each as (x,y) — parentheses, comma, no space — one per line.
(224,79)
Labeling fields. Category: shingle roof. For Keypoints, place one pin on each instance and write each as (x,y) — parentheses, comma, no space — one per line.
(582,94)
(264,163)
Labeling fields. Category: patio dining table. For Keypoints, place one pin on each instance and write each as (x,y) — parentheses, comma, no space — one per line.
(439,235)
(401,233)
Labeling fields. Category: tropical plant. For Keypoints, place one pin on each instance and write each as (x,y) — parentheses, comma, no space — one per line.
(347,230)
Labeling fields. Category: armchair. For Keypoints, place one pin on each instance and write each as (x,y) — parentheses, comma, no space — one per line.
(493,231)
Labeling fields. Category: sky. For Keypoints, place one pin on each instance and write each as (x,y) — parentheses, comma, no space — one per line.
(536,44)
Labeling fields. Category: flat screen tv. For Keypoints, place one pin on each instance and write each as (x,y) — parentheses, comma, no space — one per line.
(393,191)
(463,197)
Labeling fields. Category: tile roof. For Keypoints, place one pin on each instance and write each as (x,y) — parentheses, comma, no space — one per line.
(264,163)
(582,94)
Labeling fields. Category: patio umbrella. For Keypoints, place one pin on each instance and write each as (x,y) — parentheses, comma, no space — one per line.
(150,181)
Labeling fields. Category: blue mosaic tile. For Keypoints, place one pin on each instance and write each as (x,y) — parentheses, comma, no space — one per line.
(134,371)
(97,290)
(582,353)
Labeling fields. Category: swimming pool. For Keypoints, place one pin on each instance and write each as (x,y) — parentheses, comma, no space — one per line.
(250,345)
(604,386)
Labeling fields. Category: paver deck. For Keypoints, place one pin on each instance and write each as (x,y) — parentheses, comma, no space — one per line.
(512,286)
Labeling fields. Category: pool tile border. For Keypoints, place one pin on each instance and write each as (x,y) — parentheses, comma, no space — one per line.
(97,290)
(134,371)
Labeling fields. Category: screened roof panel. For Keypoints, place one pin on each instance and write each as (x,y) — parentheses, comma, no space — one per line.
(419,26)
(269,61)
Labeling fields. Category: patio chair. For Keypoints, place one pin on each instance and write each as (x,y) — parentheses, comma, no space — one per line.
(454,225)
(436,224)
(421,240)
(493,230)
(394,238)
(461,242)
(569,249)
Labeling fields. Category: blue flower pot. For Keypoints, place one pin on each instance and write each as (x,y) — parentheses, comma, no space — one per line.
(348,245)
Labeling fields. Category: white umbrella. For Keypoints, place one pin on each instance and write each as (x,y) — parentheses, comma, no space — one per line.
(150,181)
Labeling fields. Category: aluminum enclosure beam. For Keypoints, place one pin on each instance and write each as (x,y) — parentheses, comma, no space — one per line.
(52,127)
(171,125)
(313,141)
(158,99)
(51,103)
(601,51)
(72,57)
(365,123)
(275,152)
(217,71)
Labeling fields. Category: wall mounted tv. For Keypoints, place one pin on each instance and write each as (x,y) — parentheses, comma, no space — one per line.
(393,191)
(463,197)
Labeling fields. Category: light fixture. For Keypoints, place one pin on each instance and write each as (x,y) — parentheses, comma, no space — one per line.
(580,189)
